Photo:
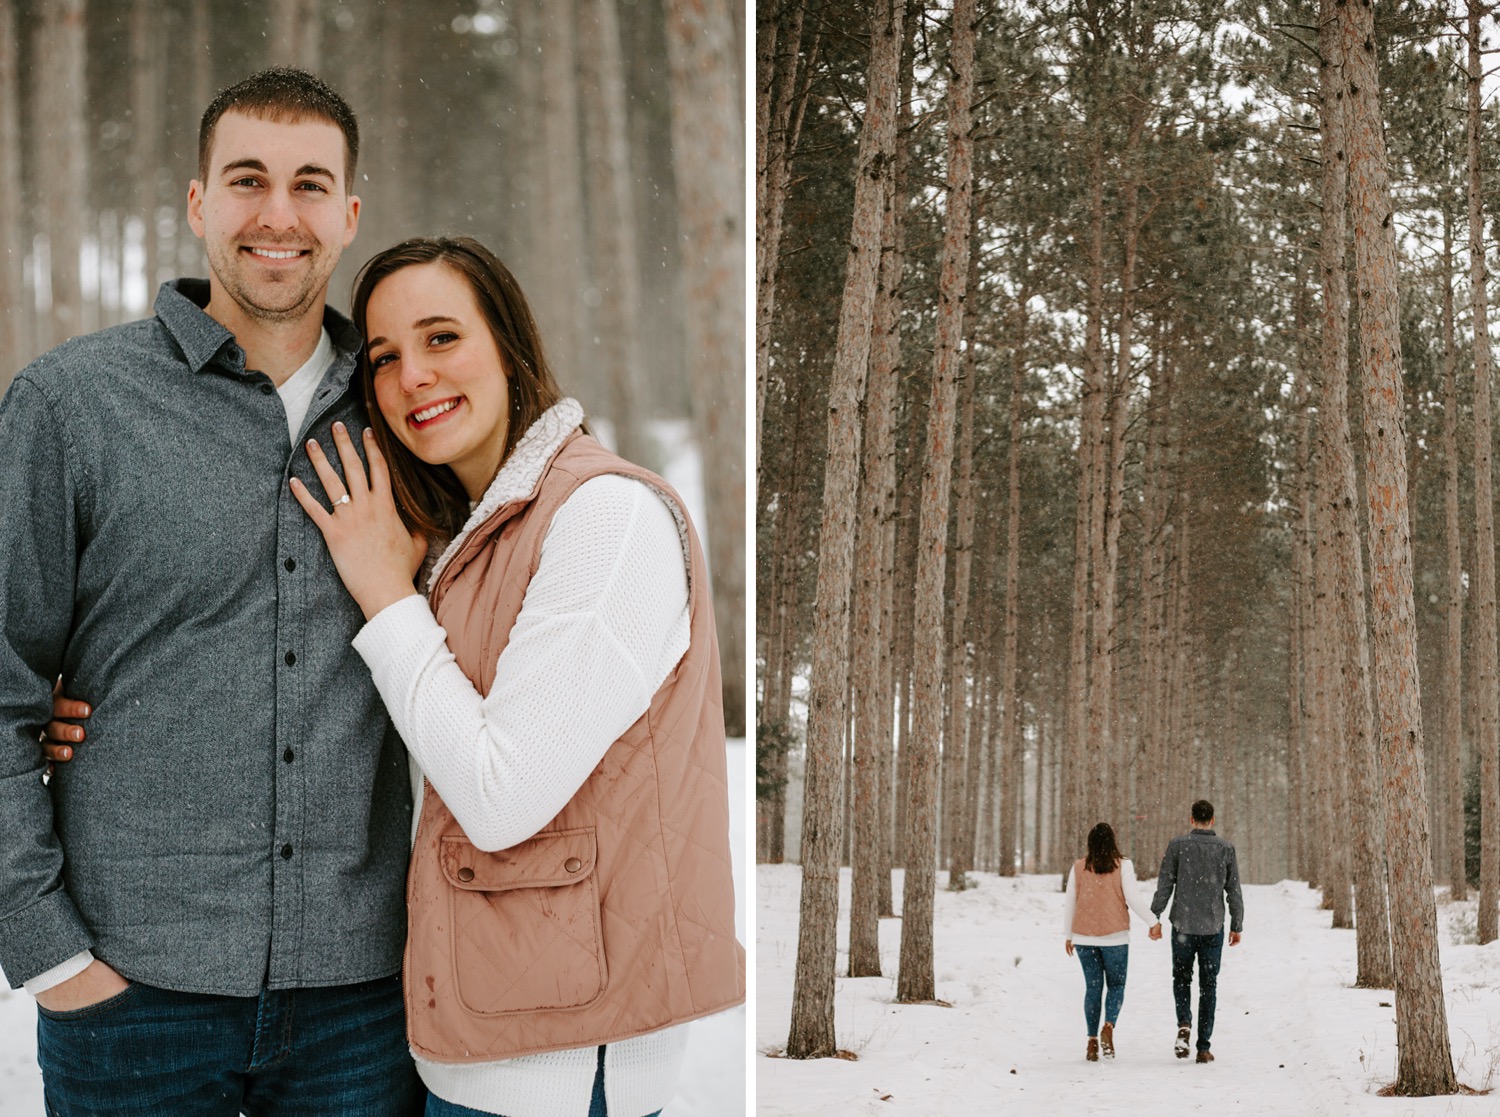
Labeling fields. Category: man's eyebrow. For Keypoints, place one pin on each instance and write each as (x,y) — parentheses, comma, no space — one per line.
(251,164)
(420,324)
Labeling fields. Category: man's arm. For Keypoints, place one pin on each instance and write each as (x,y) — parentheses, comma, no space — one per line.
(1232,895)
(39,925)
(1166,880)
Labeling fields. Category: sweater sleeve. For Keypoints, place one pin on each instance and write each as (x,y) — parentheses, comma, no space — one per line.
(603,622)
(1132,890)
(1070,900)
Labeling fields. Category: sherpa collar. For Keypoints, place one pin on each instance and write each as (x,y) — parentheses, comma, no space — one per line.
(520,473)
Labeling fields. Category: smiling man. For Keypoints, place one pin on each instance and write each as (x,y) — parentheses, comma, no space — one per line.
(207,902)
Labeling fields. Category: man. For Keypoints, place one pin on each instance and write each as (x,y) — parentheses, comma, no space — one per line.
(1199,869)
(207,902)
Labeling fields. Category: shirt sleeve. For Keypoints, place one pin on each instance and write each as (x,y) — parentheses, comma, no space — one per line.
(1070,900)
(1166,880)
(1232,892)
(39,925)
(603,622)
(1132,890)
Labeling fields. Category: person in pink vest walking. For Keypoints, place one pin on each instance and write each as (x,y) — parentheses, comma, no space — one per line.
(1101,893)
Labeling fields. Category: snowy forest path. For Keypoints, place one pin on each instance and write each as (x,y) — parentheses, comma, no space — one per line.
(1291,1036)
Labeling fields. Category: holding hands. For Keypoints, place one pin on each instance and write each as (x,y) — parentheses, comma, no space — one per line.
(1155,932)
(374,552)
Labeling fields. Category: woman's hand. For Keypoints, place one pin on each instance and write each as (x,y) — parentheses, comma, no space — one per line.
(375,554)
(1068,946)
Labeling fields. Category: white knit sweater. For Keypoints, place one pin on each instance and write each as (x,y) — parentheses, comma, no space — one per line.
(604,621)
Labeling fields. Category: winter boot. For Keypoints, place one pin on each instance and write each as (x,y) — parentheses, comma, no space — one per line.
(1107,1040)
(1092,1054)
(1181,1047)
(1205,1056)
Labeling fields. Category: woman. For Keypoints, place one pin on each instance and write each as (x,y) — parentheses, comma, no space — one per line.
(1097,923)
(570,899)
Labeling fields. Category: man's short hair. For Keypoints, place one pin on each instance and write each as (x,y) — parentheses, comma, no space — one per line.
(283,94)
(1203,811)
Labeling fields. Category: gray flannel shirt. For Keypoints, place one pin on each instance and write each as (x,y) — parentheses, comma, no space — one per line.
(239,815)
(1201,868)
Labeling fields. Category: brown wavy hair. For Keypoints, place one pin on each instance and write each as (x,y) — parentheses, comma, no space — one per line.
(1104,855)
(429,497)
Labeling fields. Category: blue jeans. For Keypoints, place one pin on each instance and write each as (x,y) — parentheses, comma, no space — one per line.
(147,1052)
(1101,964)
(1208,950)
(437,1107)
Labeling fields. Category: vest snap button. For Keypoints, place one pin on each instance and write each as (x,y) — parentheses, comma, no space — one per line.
(466,874)
(572,864)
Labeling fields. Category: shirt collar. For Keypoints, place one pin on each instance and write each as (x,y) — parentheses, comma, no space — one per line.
(179,306)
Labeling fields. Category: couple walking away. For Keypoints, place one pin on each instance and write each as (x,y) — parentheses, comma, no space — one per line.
(1198,872)
(210,526)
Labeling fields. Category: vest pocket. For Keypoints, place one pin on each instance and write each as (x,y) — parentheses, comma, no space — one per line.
(524,923)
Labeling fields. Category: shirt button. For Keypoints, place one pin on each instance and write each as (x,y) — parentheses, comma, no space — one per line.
(290,564)
(289,756)
(286,851)
(291,658)
(267,389)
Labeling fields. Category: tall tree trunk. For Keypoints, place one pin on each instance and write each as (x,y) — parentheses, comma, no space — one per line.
(1487,699)
(778,92)
(1453,641)
(962,747)
(915,981)
(1424,1065)
(1010,734)
(144,153)
(812,1028)
(871,643)
(13,319)
(1341,495)
(611,208)
(63,157)
(560,209)
(296,34)
(708,147)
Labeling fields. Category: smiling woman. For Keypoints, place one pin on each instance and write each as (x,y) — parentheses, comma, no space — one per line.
(571,901)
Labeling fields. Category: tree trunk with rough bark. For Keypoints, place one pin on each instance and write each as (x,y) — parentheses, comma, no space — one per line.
(916,981)
(60,45)
(708,155)
(611,228)
(1487,698)
(1453,639)
(812,1026)
(13,320)
(1424,1059)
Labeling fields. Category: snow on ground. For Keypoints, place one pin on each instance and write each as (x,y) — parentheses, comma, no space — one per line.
(1291,1037)
(713,1074)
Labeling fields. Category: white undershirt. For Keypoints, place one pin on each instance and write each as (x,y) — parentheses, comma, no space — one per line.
(297,390)
(604,621)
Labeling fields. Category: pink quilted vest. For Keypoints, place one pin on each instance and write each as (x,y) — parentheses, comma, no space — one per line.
(617,918)
(1099,906)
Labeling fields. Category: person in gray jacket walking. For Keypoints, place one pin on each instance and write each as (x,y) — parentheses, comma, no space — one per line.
(1198,873)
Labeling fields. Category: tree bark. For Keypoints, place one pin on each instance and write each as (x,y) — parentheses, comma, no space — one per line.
(13,319)
(1424,1061)
(63,159)
(1487,700)
(708,151)
(916,980)
(1453,639)
(812,1027)
(612,243)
